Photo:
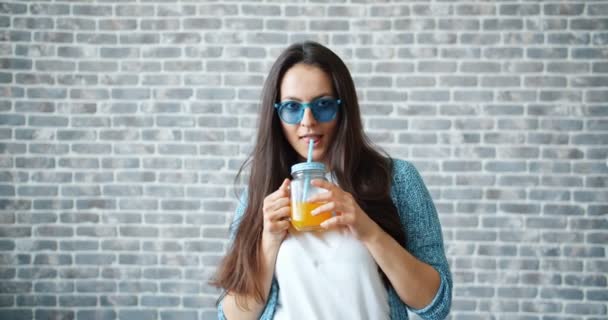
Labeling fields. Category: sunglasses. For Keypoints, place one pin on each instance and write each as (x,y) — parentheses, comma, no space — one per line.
(324,109)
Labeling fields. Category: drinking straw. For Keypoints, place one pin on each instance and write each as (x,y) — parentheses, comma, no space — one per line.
(311,143)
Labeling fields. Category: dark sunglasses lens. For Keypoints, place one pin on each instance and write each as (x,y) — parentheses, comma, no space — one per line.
(325,109)
(291,112)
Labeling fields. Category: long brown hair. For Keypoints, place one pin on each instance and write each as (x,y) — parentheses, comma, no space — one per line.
(359,168)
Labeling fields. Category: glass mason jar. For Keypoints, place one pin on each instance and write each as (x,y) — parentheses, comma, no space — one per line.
(301,190)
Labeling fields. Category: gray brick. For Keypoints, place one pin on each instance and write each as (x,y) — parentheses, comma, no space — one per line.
(37,218)
(37,300)
(13,8)
(600,39)
(137,259)
(177,149)
(436,39)
(7,273)
(162,246)
(458,81)
(77,301)
(198,302)
(120,273)
(79,273)
(459,24)
(545,222)
(96,314)
(562,265)
(567,294)
(476,235)
(15,231)
(517,292)
(180,232)
(474,291)
(178,315)
(122,191)
(137,314)
(541,307)
(163,218)
(52,259)
(125,134)
(129,231)
(597,237)
(93,177)
(120,245)
(585,309)
(547,24)
(131,204)
(591,280)
(518,264)
(53,231)
(95,286)
(16,64)
(161,273)
(521,209)
(54,314)
(563,209)
(597,295)
(95,259)
(479,39)
(588,53)
(589,24)
(98,231)
(563,9)
(596,96)
(54,286)
(436,67)
(6,77)
(118,300)
(153,301)
(590,168)
(160,24)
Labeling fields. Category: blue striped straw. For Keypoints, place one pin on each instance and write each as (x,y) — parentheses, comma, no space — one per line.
(311,143)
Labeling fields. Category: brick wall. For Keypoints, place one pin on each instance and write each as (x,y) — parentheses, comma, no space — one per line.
(122,124)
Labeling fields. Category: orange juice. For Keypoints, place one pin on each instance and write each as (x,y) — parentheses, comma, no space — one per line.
(302,220)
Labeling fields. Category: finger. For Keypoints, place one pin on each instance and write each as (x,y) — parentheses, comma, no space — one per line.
(278,204)
(322,197)
(285,184)
(279,193)
(341,220)
(280,214)
(330,206)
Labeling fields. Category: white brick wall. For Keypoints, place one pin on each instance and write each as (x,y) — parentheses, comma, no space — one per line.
(122,124)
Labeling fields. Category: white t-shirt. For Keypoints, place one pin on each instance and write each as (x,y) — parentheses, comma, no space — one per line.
(328,275)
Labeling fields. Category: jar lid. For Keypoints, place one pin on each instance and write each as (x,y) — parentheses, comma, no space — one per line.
(307,166)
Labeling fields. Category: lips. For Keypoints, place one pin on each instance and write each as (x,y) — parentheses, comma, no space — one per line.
(315,137)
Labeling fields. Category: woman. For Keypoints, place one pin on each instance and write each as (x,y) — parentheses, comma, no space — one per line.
(380,255)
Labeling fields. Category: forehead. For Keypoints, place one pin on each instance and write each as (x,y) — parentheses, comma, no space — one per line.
(305,82)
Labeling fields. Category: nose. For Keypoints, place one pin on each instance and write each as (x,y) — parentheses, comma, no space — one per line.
(308,118)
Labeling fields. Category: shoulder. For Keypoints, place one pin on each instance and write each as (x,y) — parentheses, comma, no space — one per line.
(404,172)
(407,186)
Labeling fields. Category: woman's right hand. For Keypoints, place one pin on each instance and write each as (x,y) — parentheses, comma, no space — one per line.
(276,211)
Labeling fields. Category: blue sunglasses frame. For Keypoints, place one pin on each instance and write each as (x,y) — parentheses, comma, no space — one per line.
(312,105)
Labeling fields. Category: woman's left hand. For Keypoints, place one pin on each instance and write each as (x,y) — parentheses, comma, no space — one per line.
(349,214)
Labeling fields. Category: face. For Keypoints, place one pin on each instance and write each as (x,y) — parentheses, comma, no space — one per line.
(305,83)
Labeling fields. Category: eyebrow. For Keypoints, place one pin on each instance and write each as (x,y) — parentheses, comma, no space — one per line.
(313,99)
